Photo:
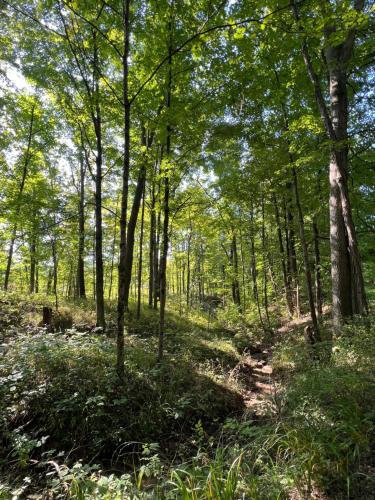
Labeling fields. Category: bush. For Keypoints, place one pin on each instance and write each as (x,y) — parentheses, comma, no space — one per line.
(63,392)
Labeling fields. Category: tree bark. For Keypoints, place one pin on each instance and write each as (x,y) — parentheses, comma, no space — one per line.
(32,265)
(151,280)
(264,255)
(306,263)
(113,253)
(20,191)
(121,304)
(140,256)
(188,265)
(55,266)
(81,290)
(288,297)
(129,254)
(317,270)
(156,258)
(292,256)
(348,291)
(36,276)
(243,271)
(234,264)
(253,268)
(164,256)
(100,315)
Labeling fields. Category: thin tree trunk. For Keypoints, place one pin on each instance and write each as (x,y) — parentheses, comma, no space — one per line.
(100,315)
(183,287)
(310,295)
(243,272)
(188,271)
(317,269)
(156,260)
(272,273)
(139,193)
(10,258)
(20,191)
(264,253)
(81,291)
(151,281)
(93,271)
(113,253)
(49,281)
(199,274)
(292,253)
(121,304)
(287,290)
(55,265)
(164,256)
(140,257)
(36,276)
(32,265)
(254,269)
(129,254)
(234,264)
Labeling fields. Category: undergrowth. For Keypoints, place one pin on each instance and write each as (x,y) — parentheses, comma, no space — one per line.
(179,430)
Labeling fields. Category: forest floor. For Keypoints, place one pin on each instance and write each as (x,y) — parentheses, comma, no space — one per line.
(233,412)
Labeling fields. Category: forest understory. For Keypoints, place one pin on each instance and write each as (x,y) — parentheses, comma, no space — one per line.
(187,258)
(233,412)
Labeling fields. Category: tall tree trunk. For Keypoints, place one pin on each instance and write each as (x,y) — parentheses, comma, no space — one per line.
(201,271)
(188,265)
(234,264)
(294,278)
(286,282)
(151,280)
(139,192)
(32,265)
(10,258)
(264,259)
(113,251)
(243,271)
(81,291)
(129,254)
(55,269)
(164,255)
(156,259)
(100,315)
(55,265)
(36,276)
(20,191)
(140,256)
(310,294)
(317,269)
(348,291)
(272,272)
(49,281)
(253,268)
(93,271)
(347,280)
(199,274)
(121,304)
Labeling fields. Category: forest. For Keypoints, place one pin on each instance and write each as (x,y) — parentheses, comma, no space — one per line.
(187,250)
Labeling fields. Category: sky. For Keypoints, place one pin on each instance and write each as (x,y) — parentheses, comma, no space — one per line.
(17,78)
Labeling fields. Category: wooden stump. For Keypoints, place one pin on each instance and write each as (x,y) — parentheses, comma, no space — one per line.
(47,317)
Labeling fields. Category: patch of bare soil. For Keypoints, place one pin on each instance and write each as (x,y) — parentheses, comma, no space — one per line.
(255,369)
(256,375)
(289,325)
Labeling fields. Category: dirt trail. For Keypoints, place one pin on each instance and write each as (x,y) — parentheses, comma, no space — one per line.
(255,369)
(256,374)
